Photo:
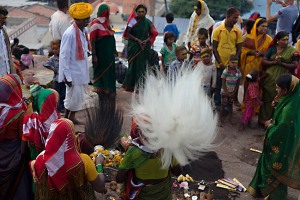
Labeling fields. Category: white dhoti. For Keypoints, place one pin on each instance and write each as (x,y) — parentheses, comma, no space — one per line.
(74,97)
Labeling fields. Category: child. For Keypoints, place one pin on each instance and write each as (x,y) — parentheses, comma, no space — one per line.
(209,71)
(26,59)
(181,55)
(251,98)
(170,27)
(230,84)
(52,64)
(195,50)
(168,51)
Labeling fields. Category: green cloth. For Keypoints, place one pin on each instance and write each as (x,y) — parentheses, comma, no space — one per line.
(138,59)
(278,166)
(106,62)
(160,191)
(268,84)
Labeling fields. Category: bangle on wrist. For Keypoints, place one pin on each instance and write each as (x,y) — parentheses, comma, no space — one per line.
(99,168)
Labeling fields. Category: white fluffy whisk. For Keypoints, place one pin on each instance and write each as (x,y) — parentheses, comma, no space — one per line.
(175,117)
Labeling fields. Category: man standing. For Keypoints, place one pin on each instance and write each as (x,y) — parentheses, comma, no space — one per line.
(6,64)
(285,16)
(60,21)
(73,64)
(227,40)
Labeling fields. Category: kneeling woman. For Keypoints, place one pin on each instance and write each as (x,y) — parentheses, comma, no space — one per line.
(61,172)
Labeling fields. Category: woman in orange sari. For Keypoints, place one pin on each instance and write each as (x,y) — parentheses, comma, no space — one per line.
(254,46)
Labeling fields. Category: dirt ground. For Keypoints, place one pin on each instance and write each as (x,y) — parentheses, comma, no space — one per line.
(232,146)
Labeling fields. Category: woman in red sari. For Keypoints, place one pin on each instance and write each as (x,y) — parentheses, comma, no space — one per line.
(14,172)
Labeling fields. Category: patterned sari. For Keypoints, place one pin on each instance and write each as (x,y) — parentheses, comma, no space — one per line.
(268,83)
(253,42)
(138,59)
(103,36)
(59,168)
(278,166)
(37,125)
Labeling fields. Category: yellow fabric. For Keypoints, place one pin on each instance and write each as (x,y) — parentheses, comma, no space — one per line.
(249,62)
(227,41)
(89,167)
(81,10)
(150,169)
(298,45)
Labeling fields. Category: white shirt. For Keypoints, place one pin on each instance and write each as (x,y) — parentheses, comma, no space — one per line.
(59,24)
(4,60)
(209,74)
(74,70)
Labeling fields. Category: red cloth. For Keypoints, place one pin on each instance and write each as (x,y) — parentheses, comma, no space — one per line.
(79,49)
(37,125)
(11,103)
(100,26)
(60,158)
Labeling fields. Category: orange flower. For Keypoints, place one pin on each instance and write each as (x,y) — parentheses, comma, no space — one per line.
(275,149)
(277,166)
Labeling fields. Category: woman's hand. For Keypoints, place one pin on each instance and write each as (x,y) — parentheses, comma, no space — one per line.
(99,159)
(33,172)
(268,123)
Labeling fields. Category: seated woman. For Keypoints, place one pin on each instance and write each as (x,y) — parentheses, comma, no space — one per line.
(14,171)
(278,166)
(37,125)
(74,176)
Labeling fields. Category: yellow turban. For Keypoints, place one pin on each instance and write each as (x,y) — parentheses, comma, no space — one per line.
(81,10)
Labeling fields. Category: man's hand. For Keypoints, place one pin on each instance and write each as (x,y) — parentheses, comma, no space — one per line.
(33,172)
(269,2)
(94,61)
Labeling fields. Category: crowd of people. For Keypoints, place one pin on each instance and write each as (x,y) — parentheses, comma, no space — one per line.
(216,59)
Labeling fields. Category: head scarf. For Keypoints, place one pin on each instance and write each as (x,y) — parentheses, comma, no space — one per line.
(81,10)
(11,102)
(294,83)
(100,26)
(37,125)
(202,3)
(60,158)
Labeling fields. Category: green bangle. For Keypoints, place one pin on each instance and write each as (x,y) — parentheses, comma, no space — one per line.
(99,168)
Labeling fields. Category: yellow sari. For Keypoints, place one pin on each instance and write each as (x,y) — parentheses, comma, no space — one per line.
(253,42)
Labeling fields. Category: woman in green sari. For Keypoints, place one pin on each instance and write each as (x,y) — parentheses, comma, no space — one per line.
(279,59)
(141,34)
(278,166)
(103,53)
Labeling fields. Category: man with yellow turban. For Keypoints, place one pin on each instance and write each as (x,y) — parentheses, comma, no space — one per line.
(6,64)
(73,64)
(199,19)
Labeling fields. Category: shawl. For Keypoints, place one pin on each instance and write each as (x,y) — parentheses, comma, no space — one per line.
(60,157)
(11,102)
(36,125)
(203,21)
(79,48)
(152,31)
(100,26)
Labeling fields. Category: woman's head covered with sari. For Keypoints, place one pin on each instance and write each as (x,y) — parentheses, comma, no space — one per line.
(61,158)
(100,26)
(287,83)
(11,103)
(37,125)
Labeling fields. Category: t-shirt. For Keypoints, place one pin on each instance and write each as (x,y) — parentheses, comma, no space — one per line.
(53,62)
(169,55)
(26,59)
(286,17)
(227,41)
(231,78)
(172,28)
(196,51)
(89,167)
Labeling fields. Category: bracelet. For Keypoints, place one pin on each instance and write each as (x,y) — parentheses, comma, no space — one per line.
(99,168)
